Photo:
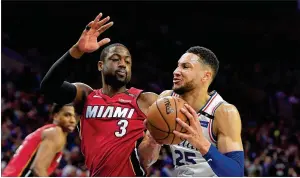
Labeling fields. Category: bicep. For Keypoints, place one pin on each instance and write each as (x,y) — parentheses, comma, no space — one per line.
(229,130)
(82,91)
(145,100)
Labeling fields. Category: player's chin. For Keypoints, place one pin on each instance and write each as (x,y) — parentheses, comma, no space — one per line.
(122,80)
(179,90)
(176,86)
(70,128)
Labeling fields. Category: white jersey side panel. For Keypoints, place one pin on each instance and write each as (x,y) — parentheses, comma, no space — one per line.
(187,160)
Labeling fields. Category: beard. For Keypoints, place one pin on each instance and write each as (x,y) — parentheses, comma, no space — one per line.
(115,81)
(184,88)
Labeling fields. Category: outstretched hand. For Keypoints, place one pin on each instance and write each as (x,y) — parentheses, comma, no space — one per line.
(88,41)
(194,133)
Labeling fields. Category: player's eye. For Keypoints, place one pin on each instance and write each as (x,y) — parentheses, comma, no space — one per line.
(127,62)
(115,59)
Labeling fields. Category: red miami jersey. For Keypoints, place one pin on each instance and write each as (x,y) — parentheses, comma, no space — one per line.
(111,129)
(19,165)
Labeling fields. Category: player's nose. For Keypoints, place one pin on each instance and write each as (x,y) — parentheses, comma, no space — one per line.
(122,63)
(176,72)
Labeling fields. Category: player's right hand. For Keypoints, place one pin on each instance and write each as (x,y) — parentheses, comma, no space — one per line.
(88,41)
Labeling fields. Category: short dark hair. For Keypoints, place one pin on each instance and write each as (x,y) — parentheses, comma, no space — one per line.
(57,107)
(104,52)
(207,57)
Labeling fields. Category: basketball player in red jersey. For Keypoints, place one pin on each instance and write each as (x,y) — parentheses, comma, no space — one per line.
(41,151)
(111,124)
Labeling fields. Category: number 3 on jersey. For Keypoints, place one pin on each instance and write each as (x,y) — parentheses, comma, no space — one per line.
(123,125)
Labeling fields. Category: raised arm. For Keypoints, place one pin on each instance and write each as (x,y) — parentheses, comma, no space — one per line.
(54,85)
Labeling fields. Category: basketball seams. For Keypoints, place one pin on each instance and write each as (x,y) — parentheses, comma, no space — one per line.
(160,131)
(157,128)
(165,134)
(162,116)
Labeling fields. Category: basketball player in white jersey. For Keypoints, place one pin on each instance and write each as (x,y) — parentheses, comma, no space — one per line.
(212,145)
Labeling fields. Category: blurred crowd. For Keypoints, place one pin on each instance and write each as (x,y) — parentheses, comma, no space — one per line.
(259,71)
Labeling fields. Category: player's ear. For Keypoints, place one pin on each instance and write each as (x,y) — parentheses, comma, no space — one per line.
(100,65)
(55,116)
(207,76)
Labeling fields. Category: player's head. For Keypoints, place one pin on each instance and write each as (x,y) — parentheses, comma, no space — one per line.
(115,65)
(64,116)
(196,68)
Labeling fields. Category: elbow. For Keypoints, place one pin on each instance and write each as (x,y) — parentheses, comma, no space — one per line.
(147,159)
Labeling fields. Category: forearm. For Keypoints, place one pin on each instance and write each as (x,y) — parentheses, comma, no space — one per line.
(59,71)
(53,84)
(148,153)
(225,165)
(39,172)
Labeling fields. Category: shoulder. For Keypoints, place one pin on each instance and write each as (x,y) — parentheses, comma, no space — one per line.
(54,134)
(165,93)
(83,90)
(226,111)
(148,97)
(145,100)
(227,117)
(83,87)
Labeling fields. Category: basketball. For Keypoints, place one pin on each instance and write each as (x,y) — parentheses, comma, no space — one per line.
(161,120)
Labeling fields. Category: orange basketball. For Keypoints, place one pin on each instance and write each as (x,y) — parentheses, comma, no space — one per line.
(161,120)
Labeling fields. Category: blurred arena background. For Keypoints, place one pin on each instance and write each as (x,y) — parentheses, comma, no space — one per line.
(258,45)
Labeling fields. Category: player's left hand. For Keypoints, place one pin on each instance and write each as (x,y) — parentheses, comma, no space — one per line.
(194,133)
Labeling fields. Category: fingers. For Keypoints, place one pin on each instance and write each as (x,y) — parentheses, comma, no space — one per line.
(103,42)
(184,125)
(181,135)
(102,22)
(145,123)
(192,111)
(96,20)
(188,115)
(90,24)
(105,27)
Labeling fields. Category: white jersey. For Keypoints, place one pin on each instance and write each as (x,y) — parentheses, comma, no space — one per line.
(187,160)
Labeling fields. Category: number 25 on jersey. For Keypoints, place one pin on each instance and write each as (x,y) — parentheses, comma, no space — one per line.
(184,158)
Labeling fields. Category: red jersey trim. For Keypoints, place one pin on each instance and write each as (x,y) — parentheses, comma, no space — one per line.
(134,160)
(27,165)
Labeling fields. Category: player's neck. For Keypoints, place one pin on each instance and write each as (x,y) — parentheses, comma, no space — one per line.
(65,132)
(111,91)
(196,98)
